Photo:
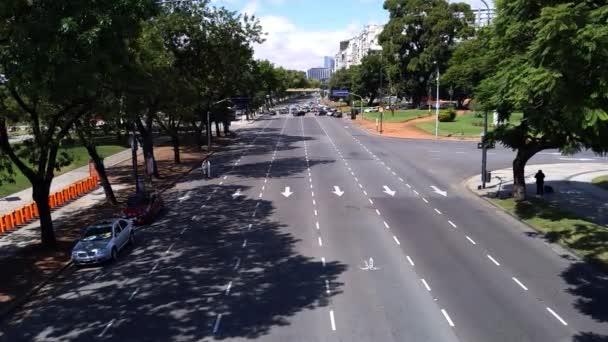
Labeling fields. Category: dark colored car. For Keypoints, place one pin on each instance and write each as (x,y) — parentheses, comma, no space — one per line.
(322,112)
(300,113)
(337,114)
(143,208)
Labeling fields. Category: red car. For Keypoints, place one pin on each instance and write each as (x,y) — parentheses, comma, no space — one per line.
(143,208)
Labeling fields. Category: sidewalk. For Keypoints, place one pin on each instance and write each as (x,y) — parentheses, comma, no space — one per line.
(573,190)
(24,197)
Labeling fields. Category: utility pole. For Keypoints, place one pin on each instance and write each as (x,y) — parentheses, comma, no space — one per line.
(437,105)
(381,92)
(484,147)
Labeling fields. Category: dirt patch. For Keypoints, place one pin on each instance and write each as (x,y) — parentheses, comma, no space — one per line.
(407,129)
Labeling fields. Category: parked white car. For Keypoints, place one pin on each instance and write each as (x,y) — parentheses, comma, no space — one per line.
(102,241)
(370,109)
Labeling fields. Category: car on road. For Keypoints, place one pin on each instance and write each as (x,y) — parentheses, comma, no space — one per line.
(299,113)
(102,241)
(142,208)
(371,110)
(322,112)
(337,114)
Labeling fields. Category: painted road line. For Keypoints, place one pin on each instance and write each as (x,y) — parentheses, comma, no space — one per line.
(386,225)
(452,224)
(416,192)
(237,264)
(323,261)
(471,240)
(520,283)
(378,212)
(244,243)
(250,225)
(313,193)
(108,326)
(365,192)
(361,186)
(426,285)
(332,319)
(257,204)
(225,177)
(320,241)
(254,212)
(169,249)
(437,211)
(265,180)
(134,294)
(493,260)
(153,268)
(311,186)
(314,202)
(316,213)
(263,187)
(221,183)
(228,287)
(447,317)
(409,186)
(356,179)
(425,201)
(396,240)
(327,290)
(410,260)
(216,326)
(317,224)
(394,173)
(556,316)
(370,201)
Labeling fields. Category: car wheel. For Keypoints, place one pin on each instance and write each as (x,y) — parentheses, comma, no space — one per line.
(114,254)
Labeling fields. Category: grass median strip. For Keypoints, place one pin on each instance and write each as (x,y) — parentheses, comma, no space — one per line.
(601,181)
(585,238)
(399,116)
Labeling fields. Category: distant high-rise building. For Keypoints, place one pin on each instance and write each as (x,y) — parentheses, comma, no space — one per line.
(319,74)
(328,62)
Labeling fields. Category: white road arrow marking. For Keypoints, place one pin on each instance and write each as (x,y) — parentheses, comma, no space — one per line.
(388,191)
(437,190)
(287,192)
(337,191)
(236,194)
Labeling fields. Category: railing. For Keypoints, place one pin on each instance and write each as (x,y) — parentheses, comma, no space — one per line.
(29,212)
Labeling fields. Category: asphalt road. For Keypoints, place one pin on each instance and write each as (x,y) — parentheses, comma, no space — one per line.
(313,230)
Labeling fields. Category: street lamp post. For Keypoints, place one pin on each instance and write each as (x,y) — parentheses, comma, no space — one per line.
(437,104)
(484,147)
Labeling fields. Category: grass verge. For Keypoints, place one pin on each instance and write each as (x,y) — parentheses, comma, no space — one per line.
(467,125)
(399,116)
(601,181)
(80,158)
(587,239)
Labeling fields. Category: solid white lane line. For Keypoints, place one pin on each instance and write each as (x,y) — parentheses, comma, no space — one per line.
(437,211)
(396,240)
(169,249)
(556,316)
(386,225)
(323,261)
(452,224)
(425,201)
(317,224)
(327,290)
(134,293)
(447,317)
(370,201)
(108,326)
(320,242)
(332,319)
(493,260)
(237,264)
(216,326)
(244,243)
(378,212)
(410,260)
(471,240)
(520,283)
(228,287)
(428,288)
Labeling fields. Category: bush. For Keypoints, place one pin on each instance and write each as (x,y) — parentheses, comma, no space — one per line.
(447,115)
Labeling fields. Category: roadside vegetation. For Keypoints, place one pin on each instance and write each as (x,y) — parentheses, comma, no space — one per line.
(601,181)
(585,238)
(399,116)
(467,125)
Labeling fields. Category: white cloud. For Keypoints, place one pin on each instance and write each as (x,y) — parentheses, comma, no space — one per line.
(288,46)
(250,7)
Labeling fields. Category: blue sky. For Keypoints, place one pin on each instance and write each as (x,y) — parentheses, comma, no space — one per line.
(301,32)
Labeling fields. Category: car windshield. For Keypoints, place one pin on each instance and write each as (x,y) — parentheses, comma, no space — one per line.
(98,232)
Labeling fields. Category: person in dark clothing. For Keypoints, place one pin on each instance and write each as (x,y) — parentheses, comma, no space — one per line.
(540,182)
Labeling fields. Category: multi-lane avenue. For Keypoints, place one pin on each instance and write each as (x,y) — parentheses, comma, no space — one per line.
(314,230)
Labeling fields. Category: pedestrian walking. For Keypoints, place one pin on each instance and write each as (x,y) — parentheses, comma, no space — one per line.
(540,182)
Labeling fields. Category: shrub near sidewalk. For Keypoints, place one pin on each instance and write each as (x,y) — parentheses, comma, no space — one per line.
(601,181)
(587,239)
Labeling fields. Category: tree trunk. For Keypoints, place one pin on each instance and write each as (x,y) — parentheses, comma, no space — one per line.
(101,170)
(40,193)
(519,165)
(175,142)
(217,129)
(148,147)
(226,127)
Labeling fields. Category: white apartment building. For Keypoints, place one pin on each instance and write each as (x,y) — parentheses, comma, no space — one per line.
(353,50)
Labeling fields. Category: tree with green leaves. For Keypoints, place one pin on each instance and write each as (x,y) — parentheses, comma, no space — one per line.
(420,36)
(369,77)
(56,56)
(552,65)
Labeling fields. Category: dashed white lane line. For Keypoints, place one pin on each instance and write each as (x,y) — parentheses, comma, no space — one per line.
(471,240)
(327,289)
(244,243)
(394,173)
(316,213)
(332,320)
(493,260)
(365,192)
(263,187)
(320,241)
(426,285)
(356,179)
(250,225)
(317,224)
(519,283)
(378,212)
(108,326)
(169,249)
(410,260)
(452,224)
(401,179)
(237,264)
(314,202)
(425,201)
(416,192)
(265,181)
(134,294)
(225,177)
(556,316)
(361,186)
(447,317)
(221,183)
(323,261)
(409,186)
(254,212)
(370,201)
(216,326)
(386,225)
(313,193)
(396,240)
(228,287)
(437,211)
(311,186)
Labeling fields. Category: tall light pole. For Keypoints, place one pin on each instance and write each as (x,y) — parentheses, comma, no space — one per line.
(437,103)
(484,147)
(360,101)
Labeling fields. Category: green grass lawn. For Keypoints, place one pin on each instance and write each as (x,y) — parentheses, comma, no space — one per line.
(467,125)
(80,158)
(601,181)
(400,115)
(585,238)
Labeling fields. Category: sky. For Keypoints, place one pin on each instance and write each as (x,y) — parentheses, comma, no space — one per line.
(300,32)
